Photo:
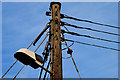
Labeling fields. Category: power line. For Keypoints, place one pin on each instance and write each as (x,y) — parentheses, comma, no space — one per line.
(68,46)
(41,42)
(66,16)
(66,57)
(47,68)
(9,69)
(66,28)
(73,33)
(92,45)
(70,52)
(75,66)
(39,36)
(63,40)
(65,23)
(18,72)
(45,58)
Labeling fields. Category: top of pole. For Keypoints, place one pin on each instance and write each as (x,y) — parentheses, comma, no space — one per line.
(55,3)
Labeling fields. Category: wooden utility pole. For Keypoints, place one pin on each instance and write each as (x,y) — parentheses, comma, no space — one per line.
(56,52)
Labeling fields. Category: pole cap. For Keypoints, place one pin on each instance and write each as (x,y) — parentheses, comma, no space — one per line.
(55,3)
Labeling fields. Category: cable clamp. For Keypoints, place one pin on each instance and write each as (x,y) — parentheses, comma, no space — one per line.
(69,51)
(62,23)
(62,16)
(48,13)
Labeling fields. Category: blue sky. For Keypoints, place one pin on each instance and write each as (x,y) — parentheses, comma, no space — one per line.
(23,21)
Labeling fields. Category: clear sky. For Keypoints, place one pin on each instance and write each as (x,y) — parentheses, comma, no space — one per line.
(23,21)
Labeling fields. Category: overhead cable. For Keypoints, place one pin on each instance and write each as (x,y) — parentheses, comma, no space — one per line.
(70,52)
(65,23)
(73,33)
(46,46)
(47,68)
(39,36)
(66,57)
(41,42)
(9,69)
(18,72)
(92,45)
(68,17)
(68,46)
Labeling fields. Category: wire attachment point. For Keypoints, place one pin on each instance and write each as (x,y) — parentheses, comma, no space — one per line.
(69,51)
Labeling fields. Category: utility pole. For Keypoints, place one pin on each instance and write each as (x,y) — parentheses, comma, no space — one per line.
(56,52)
